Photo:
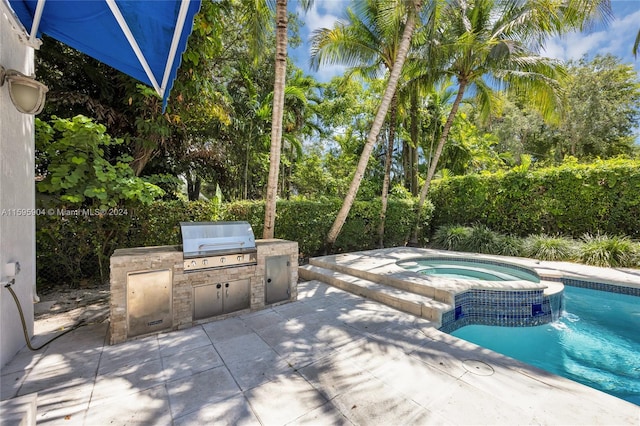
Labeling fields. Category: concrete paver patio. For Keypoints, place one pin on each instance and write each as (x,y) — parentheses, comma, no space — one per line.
(329,358)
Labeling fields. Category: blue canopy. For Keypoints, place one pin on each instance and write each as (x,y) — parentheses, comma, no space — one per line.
(142,38)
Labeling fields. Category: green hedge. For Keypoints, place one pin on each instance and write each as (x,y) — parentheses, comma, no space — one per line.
(572,199)
(308,222)
(71,248)
(75,248)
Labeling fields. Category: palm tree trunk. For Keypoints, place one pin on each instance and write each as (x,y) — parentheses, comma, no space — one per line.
(390,90)
(245,188)
(289,176)
(142,155)
(414,170)
(413,149)
(406,164)
(387,170)
(276,119)
(436,156)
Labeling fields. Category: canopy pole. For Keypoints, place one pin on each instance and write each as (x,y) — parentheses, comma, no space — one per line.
(182,16)
(134,44)
(36,20)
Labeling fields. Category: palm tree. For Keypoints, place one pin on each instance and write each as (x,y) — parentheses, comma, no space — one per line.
(436,107)
(486,43)
(278,111)
(297,121)
(636,44)
(368,42)
(412,9)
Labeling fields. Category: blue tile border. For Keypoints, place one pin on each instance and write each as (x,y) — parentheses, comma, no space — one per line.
(517,308)
(509,308)
(521,308)
(594,285)
(514,308)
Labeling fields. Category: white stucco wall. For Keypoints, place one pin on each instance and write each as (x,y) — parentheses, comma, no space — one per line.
(17,233)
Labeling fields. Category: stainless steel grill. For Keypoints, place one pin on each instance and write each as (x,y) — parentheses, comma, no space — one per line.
(210,245)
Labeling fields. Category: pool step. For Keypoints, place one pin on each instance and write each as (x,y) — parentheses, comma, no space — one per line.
(405,280)
(406,301)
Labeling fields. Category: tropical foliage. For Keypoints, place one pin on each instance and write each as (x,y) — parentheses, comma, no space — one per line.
(451,97)
(602,109)
(598,250)
(571,199)
(78,171)
(491,43)
(78,247)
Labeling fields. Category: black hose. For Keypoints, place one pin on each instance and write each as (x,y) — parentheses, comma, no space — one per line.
(24,324)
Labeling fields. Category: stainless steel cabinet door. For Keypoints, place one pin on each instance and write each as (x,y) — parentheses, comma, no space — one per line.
(236,295)
(207,301)
(149,301)
(277,279)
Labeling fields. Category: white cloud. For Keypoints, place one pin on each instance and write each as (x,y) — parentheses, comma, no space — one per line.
(580,44)
(616,38)
(333,6)
(630,22)
(623,33)
(323,14)
(327,72)
(574,45)
(319,16)
(554,48)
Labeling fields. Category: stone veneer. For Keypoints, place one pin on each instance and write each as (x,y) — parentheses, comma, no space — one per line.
(140,259)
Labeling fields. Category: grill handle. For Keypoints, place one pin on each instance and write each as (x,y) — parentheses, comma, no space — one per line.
(214,245)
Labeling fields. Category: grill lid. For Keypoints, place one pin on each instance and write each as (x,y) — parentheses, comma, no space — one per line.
(214,238)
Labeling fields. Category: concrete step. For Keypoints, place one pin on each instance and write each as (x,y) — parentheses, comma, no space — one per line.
(406,301)
(404,280)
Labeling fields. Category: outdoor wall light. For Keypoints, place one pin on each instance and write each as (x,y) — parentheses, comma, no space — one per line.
(27,94)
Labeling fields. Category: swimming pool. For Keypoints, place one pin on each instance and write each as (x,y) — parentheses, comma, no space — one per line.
(596,347)
(469,270)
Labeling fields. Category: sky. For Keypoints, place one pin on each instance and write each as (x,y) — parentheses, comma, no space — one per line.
(616,37)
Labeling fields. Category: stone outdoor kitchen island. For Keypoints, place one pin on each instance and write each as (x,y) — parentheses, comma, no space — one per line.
(151,292)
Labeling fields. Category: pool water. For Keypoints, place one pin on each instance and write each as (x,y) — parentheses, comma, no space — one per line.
(461,269)
(595,342)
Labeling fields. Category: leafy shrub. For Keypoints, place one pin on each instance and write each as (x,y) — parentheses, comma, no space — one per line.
(603,250)
(481,239)
(250,211)
(451,237)
(72,248)
(509,245)
(308,222)
(546,247)
(571,199)
(399,191)
(78,171)
(477,239)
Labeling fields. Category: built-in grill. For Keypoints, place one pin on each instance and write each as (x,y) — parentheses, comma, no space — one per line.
(218,271)
(210,245)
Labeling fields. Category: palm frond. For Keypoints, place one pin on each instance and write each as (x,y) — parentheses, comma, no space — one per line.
(259,16)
